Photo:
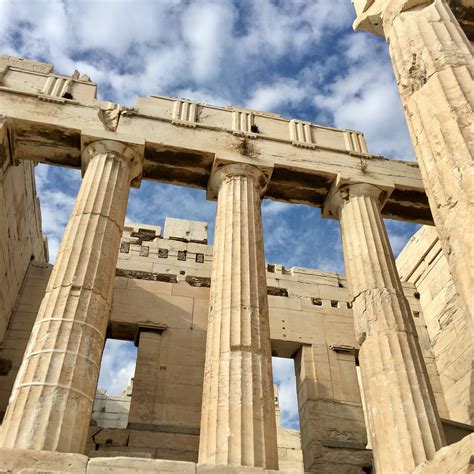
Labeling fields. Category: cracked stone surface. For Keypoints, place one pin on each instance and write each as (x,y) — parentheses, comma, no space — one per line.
(433,65)
(238,413)
(52,398)
(404,424)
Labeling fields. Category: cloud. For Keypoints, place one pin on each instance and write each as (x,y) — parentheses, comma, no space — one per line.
(118,366)
(57,189)
(276,95)
(284,377)
(365,98)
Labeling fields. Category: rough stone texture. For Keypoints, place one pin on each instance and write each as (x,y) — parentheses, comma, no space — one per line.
(21,324)
(404,424)
(290,455)
(433,65)
(125,465)
(310,308)
(188,231)
(457,458)
(331,415)
(21,239)
(52,399)
(111,411)
(238,413)
(423,263)
(149,379)
(40,462)
(47,127)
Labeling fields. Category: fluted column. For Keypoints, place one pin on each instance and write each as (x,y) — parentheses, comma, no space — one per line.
(51,403)
(433,64)
(404,424)
(238,413)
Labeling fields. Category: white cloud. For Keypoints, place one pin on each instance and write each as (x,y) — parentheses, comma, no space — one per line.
(207,30)
(365,98)
(277,95)
(284,377)
(57,189)
(118,366)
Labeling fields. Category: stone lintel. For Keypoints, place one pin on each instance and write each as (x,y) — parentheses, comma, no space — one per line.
(243,163)
(147,327)
(330,204)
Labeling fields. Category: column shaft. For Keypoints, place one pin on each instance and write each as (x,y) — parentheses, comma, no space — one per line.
(405,426)
(433,66)
(51,402)
(238,413)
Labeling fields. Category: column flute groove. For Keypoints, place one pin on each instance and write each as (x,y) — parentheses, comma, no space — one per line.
(52,398)
(238,424)
(434,66)
(405,427)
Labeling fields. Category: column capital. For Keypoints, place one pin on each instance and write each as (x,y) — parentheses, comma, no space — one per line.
(343,189)
(222,169)
(128,150)
(374,15)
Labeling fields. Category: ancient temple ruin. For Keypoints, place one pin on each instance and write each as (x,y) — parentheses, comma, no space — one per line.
(383,355)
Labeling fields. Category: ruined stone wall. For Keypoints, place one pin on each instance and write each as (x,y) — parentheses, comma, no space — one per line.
(423,263)
(19,328)
(161,301)
(21,239)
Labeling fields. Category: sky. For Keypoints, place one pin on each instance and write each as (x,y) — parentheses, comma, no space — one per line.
(297,58)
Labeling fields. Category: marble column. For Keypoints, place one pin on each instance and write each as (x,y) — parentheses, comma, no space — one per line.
(51,403)
(238,412)
(433,64)
(404,424)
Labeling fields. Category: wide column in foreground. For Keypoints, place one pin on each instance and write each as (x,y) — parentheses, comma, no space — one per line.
(238,424)
(51,403)
(433,64)
(404,424)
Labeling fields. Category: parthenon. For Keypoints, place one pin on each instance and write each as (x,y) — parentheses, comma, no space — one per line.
(383,355)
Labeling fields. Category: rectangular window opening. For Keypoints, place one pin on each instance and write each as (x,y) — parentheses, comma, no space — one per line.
(317,301)
(286,402)
(114,389)
(275,291)
(162,253)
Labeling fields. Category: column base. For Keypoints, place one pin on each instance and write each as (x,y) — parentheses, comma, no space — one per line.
(48,462)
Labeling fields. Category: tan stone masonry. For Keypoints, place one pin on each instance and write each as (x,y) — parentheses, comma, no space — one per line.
(205,338)
(51,403)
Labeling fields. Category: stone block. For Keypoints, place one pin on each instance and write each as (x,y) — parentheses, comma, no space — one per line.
(40,462)
(457,458)
(112,437)
(117,451)
(188,231)
(163,440)
(123,465)
(117,404)
(232,469)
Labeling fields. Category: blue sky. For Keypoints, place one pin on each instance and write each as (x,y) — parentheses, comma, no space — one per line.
(298,58)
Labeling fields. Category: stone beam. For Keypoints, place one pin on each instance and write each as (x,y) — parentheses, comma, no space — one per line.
(48,114)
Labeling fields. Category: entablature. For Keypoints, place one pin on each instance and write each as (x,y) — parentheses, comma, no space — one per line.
(47,115)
